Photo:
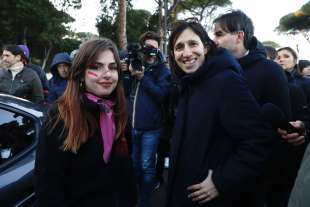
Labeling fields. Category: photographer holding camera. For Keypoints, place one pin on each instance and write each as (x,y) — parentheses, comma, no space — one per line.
(149,89)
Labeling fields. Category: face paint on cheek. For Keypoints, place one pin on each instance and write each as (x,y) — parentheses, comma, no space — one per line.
(91,73)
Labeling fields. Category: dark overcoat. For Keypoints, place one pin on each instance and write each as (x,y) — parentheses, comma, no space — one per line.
(217,128)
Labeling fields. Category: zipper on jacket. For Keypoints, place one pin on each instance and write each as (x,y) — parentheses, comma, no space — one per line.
(134,105)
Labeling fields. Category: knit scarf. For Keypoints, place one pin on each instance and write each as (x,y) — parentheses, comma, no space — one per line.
(107,124)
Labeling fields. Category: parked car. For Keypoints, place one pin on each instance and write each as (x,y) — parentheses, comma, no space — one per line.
(20,122)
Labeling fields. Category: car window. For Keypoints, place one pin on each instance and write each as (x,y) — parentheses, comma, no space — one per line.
(17,132)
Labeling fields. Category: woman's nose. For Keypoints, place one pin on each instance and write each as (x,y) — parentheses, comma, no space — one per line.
(187,51)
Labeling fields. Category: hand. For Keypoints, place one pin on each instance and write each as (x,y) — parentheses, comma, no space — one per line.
(204,191)
(138,74)
(294,138)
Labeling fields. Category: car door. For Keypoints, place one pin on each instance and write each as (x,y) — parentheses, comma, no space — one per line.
(19,131)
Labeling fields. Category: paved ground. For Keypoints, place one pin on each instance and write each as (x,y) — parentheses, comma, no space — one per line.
(158,199)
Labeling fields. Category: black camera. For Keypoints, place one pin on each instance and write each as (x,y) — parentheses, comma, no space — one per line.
(136,55)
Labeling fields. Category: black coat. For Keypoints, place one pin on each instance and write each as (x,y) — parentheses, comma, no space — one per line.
(266,79)
(217,127)
(269,84)
(82,179)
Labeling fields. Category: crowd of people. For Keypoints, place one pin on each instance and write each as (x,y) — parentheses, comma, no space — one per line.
(232,115)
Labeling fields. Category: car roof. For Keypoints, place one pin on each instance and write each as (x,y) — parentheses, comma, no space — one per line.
(22,104)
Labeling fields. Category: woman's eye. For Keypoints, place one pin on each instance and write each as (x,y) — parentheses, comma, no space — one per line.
(193,43)
(94,67)
(178,47)
(113,66)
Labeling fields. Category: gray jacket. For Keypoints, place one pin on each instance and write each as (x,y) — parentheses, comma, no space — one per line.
(300,193)
(26,84)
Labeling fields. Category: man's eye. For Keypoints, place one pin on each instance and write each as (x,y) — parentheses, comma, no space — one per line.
(218,34)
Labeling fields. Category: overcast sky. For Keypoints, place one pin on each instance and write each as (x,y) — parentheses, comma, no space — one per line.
(265,15)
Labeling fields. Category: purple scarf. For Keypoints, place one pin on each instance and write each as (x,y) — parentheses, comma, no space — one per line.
(107,124)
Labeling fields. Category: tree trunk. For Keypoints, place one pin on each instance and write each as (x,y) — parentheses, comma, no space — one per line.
(122,38)
(47,54)
(160,23)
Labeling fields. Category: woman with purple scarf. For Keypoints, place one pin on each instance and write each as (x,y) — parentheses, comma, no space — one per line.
(82,157)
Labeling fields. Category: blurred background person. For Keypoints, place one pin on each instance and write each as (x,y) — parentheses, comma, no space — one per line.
(288,59)
(60,70)
(149,89)
(40,72)
(304,67)
(271,53)
(19,80)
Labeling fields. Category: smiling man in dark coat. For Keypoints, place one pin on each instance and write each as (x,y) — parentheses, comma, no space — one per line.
(235,32)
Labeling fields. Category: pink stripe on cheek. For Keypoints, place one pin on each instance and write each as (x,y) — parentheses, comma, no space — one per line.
(92,73)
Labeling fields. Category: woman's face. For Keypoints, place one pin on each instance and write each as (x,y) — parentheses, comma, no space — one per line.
(101,77)
(286,59)
(189,51)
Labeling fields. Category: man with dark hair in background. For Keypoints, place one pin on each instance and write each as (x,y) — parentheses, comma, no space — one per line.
(19,80)
(235,32)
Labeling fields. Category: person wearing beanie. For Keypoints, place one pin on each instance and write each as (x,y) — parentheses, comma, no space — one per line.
(19,80)
(304,67)
(39,71)
(60,70)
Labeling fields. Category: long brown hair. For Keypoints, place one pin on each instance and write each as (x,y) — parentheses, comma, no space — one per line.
(78,122)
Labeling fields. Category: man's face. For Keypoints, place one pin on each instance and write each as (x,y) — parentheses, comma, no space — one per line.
(9,59)
(63,70)
(225,39)
(154,44)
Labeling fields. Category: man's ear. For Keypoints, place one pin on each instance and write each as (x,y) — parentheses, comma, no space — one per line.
(240,36)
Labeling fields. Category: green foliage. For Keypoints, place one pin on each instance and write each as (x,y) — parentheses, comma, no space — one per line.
(65,4)
(35,23)
(138,21)
(296,21)
(306,8)
(68,45)
(106,27)
(271,44)
(293,23)
(201,8)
